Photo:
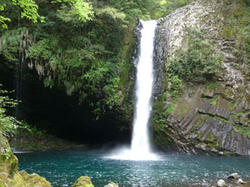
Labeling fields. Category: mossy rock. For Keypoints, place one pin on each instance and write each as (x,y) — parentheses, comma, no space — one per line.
(111,184)
(34,180)
(9,175)
(83,181)
(8,161)
(1,183)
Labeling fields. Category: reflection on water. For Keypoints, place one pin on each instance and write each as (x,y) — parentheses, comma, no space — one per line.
(63,168)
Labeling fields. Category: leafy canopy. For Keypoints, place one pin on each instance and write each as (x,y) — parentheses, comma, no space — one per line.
(28,9)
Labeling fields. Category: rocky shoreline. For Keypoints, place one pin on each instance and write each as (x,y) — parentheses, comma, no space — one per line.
(24,140)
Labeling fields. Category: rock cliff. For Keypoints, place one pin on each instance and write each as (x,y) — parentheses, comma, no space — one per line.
(212,115)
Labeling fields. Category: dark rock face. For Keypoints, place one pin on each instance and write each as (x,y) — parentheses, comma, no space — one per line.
(207,108)
(159,58)
(205,127)
(209,117)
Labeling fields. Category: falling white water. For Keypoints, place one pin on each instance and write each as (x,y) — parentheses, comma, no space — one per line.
(140,146)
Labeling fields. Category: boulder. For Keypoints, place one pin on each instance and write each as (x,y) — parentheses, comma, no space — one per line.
(34,180)
(240,181)
(221,183)
(234,176)
(111,184)
(83,181)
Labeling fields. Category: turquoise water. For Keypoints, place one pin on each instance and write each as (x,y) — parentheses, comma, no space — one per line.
(63,168)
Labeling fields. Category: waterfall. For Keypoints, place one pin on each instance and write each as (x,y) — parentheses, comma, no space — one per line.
(144,85)
(140,144)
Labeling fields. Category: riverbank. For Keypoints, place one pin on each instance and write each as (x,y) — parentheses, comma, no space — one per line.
(27,140)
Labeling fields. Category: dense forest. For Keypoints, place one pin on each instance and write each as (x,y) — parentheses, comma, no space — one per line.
(83,49)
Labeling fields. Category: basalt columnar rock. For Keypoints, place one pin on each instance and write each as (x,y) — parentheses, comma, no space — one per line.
(9,174)
(211,116)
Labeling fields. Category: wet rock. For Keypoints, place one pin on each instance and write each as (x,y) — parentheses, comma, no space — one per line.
(202,147)
(234,176)
(83,181)
(240,181)
(111,184)
(221,153)
(214,150)
(221,183)
(208,94)
(34,179)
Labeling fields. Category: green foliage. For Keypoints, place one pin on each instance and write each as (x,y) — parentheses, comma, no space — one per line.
(170,109)
(26,8)
(236,27)
(31,129)
(3,19)
(83,46)
(242,129)
(146,9)
(29,10)
(75,10)
(7,123)
(165,7)
(175,85)
(11,43)
(7,153)
(199,62)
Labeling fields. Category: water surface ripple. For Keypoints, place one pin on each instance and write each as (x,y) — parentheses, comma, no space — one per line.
(63,168)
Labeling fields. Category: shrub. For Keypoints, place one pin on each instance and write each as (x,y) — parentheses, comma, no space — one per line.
(197,63)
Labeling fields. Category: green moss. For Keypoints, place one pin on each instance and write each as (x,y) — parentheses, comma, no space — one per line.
(181,107)
(232,104)
(83,181)
(211,139)
(1,183)
(214,100)
(162,137)
(161,134)
(34,179)
(220,119)
(242,129)
(170,109)
(198,123)
(212,85)
(125,57)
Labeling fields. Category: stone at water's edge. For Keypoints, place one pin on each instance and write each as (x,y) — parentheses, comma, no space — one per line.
(34,179)
(83,181)
(221,183)
(9,174)
(111,184)
(24,140)
(234,176)
(210,116)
